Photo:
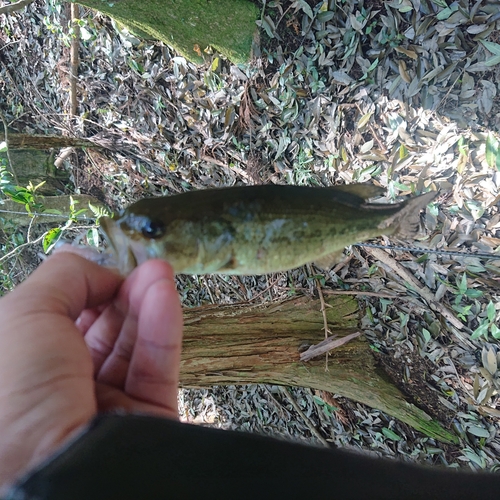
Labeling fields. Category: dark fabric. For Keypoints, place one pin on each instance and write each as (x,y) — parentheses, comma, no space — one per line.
(141,457)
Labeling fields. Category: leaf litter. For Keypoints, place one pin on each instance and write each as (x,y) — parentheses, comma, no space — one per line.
(403,93)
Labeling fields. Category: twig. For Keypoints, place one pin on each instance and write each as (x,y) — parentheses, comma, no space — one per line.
(231,287)
(325,319)
(6,132)
(73,74)
(306,419)
(360,292)
(208,289)
(7,9)
(421,289)
(327,345)
(28,233)
(323,309)
(266,289)
(15,250)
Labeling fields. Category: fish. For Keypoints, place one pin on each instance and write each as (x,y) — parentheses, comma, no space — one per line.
(255,230)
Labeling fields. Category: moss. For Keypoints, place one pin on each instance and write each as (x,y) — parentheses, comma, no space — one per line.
(226,25)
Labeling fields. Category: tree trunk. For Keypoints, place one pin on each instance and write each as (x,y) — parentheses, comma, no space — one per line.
(42,142)
(242,344)
(190,26)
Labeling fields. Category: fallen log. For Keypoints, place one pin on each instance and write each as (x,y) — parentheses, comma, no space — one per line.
(249,344)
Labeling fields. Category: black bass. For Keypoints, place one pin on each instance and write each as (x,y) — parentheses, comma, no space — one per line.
(255,229)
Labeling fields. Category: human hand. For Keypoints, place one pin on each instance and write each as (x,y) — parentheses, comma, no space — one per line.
(76,339)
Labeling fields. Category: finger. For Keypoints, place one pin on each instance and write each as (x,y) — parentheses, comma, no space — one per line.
(86,319)
(116,345)
(67,284)
(112,399)
(153,376)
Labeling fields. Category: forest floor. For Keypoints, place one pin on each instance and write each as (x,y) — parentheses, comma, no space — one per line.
(403,93)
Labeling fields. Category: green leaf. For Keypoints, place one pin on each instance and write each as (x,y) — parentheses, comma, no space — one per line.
(446,13)
(3,147)
(51,238)
(473,294)
(480,331)
(491,311)
(492,61)
(324,17)
(492,151)
(441,3)
(478,431)
(495,331)
(373,65)
(494,48)
(390,434)
(19,195)
(93,237)
(462,284)
(426,334)
(305,7)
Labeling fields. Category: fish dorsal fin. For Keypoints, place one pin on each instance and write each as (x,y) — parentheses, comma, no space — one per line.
(406,222)
(355,195)
(360,190)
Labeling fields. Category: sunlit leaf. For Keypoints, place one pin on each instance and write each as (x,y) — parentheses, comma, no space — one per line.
(51,238)
(492,151)
(364,119)
(85,34)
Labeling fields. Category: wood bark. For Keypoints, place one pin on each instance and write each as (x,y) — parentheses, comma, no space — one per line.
(243,344)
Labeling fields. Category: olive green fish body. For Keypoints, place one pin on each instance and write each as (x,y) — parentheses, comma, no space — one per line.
(248,230)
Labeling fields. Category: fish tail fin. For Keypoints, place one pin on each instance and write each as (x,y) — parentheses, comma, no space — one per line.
(406,221)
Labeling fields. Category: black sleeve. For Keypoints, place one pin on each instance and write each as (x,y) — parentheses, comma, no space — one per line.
(142,457)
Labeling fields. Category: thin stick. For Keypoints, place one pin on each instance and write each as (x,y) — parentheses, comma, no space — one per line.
(359,292)
(306,419)
(73,74)
(266,289)
(327,345)
(7,9)
(208,289)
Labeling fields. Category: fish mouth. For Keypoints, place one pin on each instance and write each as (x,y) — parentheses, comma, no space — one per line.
(128,254)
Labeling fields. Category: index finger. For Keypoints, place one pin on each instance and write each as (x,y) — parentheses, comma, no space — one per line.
(67,283)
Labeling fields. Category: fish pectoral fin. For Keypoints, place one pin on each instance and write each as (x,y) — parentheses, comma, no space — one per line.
(327,261)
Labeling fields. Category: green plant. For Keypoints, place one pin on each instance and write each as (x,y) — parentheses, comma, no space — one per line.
(488,324)
(301,174)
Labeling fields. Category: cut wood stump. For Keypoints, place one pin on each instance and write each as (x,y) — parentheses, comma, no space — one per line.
(248,344)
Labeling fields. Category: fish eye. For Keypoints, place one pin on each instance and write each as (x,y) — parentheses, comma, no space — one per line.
(152,229)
